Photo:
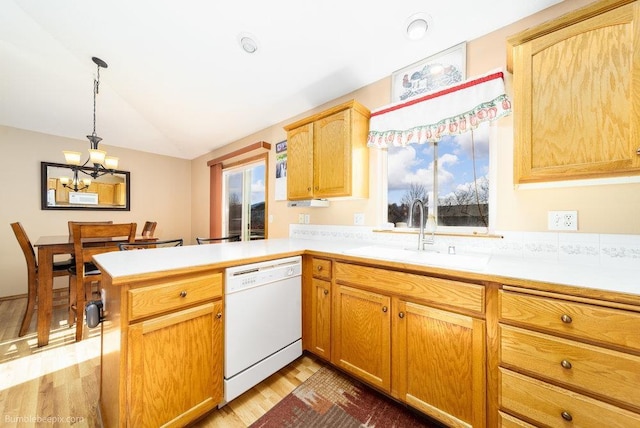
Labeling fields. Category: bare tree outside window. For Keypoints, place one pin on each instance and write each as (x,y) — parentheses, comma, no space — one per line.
(463,179)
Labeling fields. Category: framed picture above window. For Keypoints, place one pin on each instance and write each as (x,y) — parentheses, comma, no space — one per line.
(443,69)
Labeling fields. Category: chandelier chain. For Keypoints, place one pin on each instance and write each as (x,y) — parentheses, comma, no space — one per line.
(96,90)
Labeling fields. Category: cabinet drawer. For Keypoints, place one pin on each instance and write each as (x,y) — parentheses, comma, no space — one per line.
(552,406)
(171,295)
(508,421)
(581,320)
(436,290)
(322,268)
(602,371)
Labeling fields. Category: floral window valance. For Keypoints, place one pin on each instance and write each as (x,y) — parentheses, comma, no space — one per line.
(454,110)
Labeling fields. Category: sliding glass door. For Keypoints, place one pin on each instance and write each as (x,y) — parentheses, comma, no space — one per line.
(243,196)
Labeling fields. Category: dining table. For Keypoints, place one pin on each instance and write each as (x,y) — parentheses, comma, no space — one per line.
(48,247)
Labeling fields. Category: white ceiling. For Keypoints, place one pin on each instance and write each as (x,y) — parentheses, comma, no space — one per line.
(178,82)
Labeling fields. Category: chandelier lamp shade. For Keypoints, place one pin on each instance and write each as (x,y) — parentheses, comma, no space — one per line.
(98,163)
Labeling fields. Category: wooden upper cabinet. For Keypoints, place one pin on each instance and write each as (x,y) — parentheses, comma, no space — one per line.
(576,84)
(300,162)
(328,155)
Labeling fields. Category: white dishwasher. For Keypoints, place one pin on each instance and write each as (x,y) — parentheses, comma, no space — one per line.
(263,322)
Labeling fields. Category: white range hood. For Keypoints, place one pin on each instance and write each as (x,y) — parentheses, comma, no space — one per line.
(309,203)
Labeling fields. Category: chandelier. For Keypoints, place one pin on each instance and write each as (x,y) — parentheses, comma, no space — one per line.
(98,163)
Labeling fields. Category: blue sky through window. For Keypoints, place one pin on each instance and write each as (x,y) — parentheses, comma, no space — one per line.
(414,164)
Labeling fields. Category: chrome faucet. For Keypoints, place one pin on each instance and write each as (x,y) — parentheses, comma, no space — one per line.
(421,239)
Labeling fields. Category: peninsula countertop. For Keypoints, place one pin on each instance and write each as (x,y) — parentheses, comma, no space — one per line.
(125,265)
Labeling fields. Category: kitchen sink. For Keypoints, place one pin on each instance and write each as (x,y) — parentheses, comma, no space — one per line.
(467,261)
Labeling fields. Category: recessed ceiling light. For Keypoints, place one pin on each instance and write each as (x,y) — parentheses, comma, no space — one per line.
(416,26)
(248,42)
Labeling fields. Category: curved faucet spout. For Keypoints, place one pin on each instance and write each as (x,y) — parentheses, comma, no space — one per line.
(421,233)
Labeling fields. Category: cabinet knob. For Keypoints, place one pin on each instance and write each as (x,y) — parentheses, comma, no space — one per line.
(319,268)
(566,319)
(183,293)
(566,364)
(326,292)
(401,314)
(308,189)
(219,315)
(566,416)
(385,309)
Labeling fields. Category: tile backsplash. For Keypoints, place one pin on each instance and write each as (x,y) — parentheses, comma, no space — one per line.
(606,250)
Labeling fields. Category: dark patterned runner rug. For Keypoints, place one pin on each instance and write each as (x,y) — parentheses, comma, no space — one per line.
(330,399)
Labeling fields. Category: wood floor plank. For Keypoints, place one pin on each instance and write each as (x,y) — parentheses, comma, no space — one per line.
(61,380)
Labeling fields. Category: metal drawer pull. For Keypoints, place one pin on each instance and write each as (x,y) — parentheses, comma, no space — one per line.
(385,309)
(326,292)
(401,314)
(566,364)
(219,315)
(183,293)
(566,416)
(566,319)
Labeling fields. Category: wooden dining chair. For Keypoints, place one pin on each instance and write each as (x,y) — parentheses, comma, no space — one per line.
(230,238)
(59,269)
(88,241)
(71,223)
(142,245)
(148,229)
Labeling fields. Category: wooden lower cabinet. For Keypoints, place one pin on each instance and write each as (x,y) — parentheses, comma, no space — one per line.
(162,350)
(429,357)
(321,318)
(552,406)
(567,360)
(361,328)
(439,364)
(171,353)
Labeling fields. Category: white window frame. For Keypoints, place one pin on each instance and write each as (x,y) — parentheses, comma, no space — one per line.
(245,231)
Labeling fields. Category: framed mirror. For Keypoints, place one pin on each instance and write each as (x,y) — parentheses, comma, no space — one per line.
(64,187)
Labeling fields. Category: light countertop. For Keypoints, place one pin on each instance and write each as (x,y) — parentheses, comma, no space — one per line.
(121,265)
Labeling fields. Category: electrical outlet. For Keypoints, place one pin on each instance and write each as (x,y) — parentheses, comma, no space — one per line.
(307,218)
(358,219)
(563,220)
(301,218)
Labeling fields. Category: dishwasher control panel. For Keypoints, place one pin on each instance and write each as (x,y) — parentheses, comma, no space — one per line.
(253,275)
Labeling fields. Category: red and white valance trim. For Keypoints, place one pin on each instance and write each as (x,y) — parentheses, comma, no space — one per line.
(454,110)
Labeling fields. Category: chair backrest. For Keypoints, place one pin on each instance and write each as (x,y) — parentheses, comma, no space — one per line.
(149,228)
(125,246)
(25,245)
(71,223)
(230,238)
(92,239)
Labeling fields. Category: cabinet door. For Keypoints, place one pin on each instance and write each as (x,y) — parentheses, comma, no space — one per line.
(577,99)
(105,194)
(439,363)
(62,193)
(321,318)
(175,366)
(300,162)
(119,194)
(332,155)
(361,330)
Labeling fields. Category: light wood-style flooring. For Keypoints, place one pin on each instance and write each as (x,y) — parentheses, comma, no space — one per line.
(59,382)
